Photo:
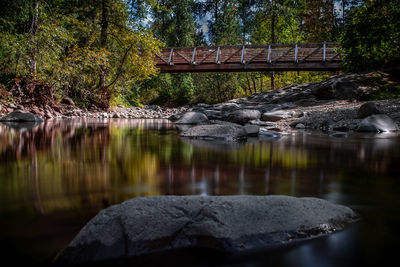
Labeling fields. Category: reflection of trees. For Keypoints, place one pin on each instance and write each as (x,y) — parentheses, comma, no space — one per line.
(294,165)
(82,163)
(77,163)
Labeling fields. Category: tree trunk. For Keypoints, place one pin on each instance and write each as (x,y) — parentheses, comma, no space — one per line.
(103,88)
(248,83)
(33,31)
(103,43)
(273,41)
(254,84)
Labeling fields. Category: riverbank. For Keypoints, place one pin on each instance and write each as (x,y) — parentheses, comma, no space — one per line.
(340,104)
(337,104)
(70,111)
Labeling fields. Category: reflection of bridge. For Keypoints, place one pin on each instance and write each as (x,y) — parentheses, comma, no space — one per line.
(274,57)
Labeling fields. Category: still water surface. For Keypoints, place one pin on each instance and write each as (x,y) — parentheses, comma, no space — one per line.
(56,176)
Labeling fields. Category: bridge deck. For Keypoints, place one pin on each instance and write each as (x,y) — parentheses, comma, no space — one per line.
(274,57)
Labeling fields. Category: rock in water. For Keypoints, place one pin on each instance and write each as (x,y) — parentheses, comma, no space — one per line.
(21,116)
(276,115)
(226,132)
(226,223)
(193,118)
(377,123)
(244,115)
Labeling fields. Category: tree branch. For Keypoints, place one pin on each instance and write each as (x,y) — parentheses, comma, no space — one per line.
(119,71)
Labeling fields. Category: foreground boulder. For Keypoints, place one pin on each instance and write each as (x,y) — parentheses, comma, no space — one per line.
(377,124)
(224,223)
(226,132)
(21,116)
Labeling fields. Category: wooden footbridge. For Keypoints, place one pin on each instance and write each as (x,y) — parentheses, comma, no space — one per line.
(273,57)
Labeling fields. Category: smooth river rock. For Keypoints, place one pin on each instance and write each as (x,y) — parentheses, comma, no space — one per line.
(244,115)
(192,118)
(21,116)
(226,132)
(224,223)
(276,115)
(377,123)
(368,109)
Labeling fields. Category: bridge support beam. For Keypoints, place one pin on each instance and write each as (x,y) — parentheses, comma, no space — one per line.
(272,57)
(261,67)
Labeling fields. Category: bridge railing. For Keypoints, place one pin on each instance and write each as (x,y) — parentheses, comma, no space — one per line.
(249,57)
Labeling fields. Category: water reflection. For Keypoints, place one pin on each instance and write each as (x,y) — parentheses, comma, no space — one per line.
(67,164)
(84,165)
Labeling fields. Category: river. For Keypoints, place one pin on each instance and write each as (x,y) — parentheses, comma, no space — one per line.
(56,176)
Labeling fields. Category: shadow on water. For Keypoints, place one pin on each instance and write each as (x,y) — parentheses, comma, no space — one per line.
(54,177)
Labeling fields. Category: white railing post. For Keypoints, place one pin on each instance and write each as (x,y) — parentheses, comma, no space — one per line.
(269,54)
(217,57)
(242,57)
(170,56)
(193,57)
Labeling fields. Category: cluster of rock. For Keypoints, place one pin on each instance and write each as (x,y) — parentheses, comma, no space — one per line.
(223,223)
(335,106)
(66,109)
(146,112)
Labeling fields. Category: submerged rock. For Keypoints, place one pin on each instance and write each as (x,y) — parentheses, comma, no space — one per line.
(227,132)
(338,135)
(377,123)
(21,116)
(225,223)
(265,133)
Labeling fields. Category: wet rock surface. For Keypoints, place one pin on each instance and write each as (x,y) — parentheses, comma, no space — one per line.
(226,132)
(192,118)
(377,123)
(21,116)
(231,224)
(243,116)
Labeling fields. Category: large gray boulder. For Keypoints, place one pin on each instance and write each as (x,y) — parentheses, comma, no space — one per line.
(21,116)
(368,109)
(377,123)
(192,118)
(348,86)
(242,116)
(226,132)
(226,223)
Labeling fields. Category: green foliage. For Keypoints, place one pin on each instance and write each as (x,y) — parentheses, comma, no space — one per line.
(371,37)
(69,51)
(102,51)
(320,21)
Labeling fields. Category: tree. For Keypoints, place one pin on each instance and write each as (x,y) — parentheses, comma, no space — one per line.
(224,23)
(320,24)
(89,50)
(371,37)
